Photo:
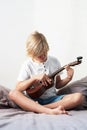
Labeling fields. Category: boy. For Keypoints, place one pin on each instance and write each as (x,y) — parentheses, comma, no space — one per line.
(38,66)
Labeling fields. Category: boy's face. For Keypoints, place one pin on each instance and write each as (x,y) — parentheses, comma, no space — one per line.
(41,58)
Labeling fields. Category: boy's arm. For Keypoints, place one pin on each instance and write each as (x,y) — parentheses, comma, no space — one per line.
(23,85)
(62,82)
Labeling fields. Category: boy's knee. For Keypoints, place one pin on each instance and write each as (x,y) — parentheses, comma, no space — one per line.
(78,97)
(12,94)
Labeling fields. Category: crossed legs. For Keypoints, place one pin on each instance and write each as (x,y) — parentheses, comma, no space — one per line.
(69,101)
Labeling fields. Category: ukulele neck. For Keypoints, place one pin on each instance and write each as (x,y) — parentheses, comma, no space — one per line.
(56,72)
(62,68)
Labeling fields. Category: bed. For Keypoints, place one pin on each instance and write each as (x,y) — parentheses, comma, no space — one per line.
(14,118)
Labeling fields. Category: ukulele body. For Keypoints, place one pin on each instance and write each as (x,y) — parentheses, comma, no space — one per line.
(37,89)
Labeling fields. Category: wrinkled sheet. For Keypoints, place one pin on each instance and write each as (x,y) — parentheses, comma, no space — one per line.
(16,119)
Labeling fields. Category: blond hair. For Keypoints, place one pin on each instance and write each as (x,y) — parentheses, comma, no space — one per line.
(36,44)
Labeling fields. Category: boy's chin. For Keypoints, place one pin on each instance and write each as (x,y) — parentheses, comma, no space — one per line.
(43,60)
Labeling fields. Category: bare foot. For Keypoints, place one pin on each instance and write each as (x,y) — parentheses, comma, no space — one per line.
(59,110)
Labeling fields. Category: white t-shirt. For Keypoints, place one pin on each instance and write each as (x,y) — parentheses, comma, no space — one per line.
(30,68)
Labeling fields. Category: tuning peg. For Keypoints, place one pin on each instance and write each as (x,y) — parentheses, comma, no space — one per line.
(79,58)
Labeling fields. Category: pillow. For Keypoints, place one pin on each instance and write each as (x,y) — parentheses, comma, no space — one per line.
(5,101)
(76,86)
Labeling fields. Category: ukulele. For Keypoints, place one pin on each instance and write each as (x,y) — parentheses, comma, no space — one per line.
(37,88)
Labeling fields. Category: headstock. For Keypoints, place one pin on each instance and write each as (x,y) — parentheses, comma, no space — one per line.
(79,61)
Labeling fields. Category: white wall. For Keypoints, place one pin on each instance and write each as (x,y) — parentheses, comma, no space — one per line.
(16,22)
(64,23)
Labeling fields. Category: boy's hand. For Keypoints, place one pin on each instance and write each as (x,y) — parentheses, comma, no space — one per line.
(44,79)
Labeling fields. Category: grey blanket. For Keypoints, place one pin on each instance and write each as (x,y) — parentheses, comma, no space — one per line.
(16,119)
